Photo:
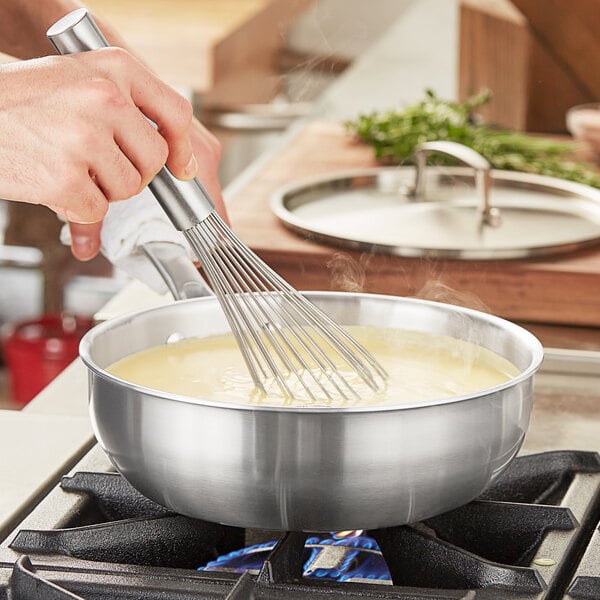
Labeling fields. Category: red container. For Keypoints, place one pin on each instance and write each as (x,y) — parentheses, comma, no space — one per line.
(36,351)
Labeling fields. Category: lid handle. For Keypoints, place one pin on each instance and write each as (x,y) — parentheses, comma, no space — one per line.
(489,215)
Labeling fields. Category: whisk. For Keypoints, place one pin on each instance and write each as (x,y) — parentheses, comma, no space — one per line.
(283,337)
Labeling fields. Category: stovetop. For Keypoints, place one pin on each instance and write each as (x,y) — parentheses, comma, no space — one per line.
(533,535)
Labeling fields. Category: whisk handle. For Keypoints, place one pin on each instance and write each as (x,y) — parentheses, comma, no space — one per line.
(186,203)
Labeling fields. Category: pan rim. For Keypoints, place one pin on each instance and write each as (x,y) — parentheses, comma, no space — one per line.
(534,345)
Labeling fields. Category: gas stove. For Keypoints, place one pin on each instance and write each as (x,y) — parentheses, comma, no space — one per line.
(533,535)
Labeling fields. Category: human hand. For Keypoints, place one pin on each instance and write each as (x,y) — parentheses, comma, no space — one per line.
(76,139)
(207,149)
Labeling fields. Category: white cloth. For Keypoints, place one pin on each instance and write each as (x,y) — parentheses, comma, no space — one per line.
(127,226)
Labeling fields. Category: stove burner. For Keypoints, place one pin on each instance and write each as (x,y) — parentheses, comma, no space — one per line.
(532,536)
(343,556)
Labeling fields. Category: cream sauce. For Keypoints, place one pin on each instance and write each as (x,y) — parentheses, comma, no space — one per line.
(422,367)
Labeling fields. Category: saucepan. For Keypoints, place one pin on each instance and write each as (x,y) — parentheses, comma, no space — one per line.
(310,469)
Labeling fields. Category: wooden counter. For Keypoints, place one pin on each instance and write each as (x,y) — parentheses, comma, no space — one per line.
(561,290)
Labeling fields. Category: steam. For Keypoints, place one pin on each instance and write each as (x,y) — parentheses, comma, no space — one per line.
(347,274)
(350,275)
(463,324)
(438,291)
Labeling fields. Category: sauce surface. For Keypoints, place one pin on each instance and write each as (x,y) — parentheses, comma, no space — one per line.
(422,367)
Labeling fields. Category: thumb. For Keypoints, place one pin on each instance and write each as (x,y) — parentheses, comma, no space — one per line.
(85,239)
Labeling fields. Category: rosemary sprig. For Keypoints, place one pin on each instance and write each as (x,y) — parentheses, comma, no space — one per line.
(395,134)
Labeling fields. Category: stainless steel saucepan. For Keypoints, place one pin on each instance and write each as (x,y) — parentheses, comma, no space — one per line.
(313,469)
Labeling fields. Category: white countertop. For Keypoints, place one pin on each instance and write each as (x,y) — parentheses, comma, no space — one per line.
(36,450)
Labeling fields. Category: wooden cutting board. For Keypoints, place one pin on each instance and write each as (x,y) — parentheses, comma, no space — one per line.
(561,290)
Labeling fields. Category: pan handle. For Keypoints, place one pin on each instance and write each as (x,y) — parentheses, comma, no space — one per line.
(176,269)
(483,178)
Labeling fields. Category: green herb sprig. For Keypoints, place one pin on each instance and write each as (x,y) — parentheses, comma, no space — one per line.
(395,134)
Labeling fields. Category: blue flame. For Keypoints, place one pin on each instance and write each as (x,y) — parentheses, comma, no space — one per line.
(361,561)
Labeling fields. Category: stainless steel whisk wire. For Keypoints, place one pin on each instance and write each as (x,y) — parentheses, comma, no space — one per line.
(258,301)
(270,320)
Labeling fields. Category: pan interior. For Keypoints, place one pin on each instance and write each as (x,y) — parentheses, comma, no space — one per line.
(112,341)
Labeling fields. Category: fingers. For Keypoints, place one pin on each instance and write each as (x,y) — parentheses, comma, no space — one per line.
(137,154)
(168,110)
(173,117)
(117,178)
(80,200)
(145,149)
(76,137)
(171,113)
(85,240)
(118,146)
(208,150)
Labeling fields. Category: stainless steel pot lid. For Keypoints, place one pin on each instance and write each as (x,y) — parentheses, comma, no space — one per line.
(453,212)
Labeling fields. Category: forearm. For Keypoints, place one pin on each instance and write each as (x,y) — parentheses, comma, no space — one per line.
(23,26)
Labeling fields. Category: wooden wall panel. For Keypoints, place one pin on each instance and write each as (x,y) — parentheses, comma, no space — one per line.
(522,58)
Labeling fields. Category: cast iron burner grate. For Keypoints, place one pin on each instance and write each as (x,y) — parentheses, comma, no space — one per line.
(522,540)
